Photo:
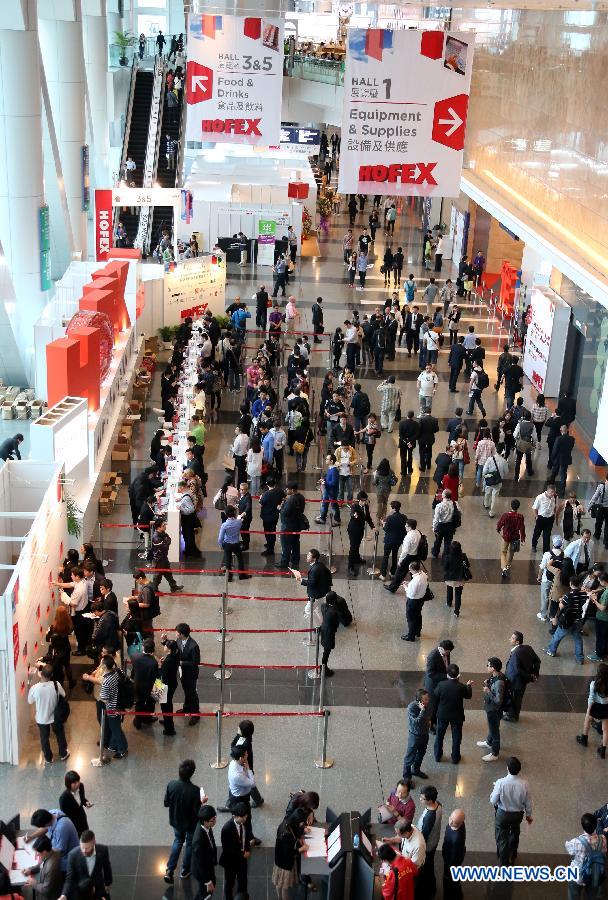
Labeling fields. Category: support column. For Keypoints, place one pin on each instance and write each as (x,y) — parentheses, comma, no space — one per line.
(21,196)
(95,30)
(61,45)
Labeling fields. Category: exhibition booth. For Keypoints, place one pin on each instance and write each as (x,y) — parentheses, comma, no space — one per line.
(242,189)
(33,541)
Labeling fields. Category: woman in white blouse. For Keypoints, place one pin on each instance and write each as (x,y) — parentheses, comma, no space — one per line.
(255,457)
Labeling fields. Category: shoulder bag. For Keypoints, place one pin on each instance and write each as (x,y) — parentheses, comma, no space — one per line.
(62,708)
(493,478)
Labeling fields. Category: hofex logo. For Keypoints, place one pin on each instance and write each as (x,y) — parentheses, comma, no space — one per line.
(233,126)
(406,173)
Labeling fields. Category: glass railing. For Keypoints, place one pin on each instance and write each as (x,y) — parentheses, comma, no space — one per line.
(310,68)
(148,51)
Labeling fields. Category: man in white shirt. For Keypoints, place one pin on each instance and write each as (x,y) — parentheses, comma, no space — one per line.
(546,578)
(351,337)
(413,845)
(495,470)
(439,253)
(415,591)
(45,695)
(280,439)
(407,554)
(427,385)
(544,514)
(511,799)
(241,782)
(77,603)
(431,339)
(345,457)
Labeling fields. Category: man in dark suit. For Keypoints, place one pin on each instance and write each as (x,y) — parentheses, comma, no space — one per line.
(235,851)
(89,874)
(270,501)
(429,426)
(145,673)
(413,324)
(204,852)
(183,800)
(436,670)
(408,434)
(318,578)
(394,532)
(450,695)
(523,667)
(566,408)
(189,659)
(292,515)
(456,360)
(317,319)
(561,457)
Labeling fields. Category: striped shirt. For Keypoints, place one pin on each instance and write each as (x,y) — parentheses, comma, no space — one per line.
(109,688)
(391,396)
(485,449)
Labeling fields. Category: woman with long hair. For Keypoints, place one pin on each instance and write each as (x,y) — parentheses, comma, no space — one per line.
(540,414)
(384,480)
(132,627)
(597,709)
(451,480)
(456,572)
(89,555)
(288,845)
(255,457)
(65,576)
(58,637)
(168,675)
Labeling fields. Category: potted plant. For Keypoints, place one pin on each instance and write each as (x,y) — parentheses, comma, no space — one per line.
(167,335)
(74,516)
(124,40)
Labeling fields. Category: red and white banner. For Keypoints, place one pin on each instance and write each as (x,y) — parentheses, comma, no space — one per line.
(406,96)
(103,224)
(234,80)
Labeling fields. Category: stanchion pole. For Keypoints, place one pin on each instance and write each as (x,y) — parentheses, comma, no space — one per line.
(374,571)
(101,543)
(219,762)
(314,674)
(222,673)
(224,609)
(102,759)
(330,553)
(322,690)
(310,641)
(324,762)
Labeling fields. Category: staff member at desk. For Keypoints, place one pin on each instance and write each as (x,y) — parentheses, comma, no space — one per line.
(289,843)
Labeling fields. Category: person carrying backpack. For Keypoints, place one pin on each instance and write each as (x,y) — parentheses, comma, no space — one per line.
(588,851)
(496,697)
(477,385)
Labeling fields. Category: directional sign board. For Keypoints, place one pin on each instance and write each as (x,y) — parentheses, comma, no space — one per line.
(234,79)
(406,96)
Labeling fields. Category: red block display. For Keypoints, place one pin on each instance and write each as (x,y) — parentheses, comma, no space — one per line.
(72,366)
(90,319)
(252,28)
(431,44)
(297,190)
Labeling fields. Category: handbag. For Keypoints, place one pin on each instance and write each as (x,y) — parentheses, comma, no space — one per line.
(493,478)
(228,462)
(305,524)
(523,446)
(62,708)
(221,503)
(298,447)
(466,571)
(398,414)
(159,691)
(428,595)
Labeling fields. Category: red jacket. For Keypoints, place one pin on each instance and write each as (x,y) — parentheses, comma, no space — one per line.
(406,872)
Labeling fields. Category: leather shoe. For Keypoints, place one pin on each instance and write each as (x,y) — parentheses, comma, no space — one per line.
(387,588)
(406,637)
(193,720)
(420,774)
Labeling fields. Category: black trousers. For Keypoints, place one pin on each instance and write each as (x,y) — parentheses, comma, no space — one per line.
(189,523)
(168,720)
(601,520)
(454,373)
(426,456)
(143,704)
(507,826)
(191,701)
(407,460)
(229,550)
(392,553)
(413,615)
(232,874)
(544,526)
(354,552)
(402,570)
(271,539)
(412,341)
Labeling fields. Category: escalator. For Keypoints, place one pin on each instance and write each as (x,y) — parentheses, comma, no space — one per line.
(137,141)
(162,216)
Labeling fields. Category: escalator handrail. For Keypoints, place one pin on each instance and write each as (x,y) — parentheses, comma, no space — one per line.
(126,136)
(143,228)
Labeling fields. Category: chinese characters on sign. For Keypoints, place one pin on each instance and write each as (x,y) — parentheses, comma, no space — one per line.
(406,96)
(234,79)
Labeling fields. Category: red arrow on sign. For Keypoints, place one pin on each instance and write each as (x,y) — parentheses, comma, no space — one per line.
(449,121)
(199,81)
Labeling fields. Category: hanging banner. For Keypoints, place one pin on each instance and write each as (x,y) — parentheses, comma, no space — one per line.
(406,96)
(266,238)
(234,80)
(103,224)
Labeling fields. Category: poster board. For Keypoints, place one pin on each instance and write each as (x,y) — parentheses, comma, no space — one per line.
(546,340)
(193,282)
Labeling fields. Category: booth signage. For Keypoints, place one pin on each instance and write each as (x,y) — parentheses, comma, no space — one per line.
(145,196)
(103,224)
(234,79)
(406,96)
(15,644)
(266,237)
(309,137)
(44,237)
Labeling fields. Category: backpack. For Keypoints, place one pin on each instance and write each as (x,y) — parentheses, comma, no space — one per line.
(508,695)
(594,864)
(364,406)
(344,613)
(423,548)
(126,691)
(482,380)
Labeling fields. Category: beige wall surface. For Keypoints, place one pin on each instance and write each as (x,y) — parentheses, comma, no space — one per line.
(537,131)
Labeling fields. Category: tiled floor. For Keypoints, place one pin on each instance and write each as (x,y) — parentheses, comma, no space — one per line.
(376,673)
